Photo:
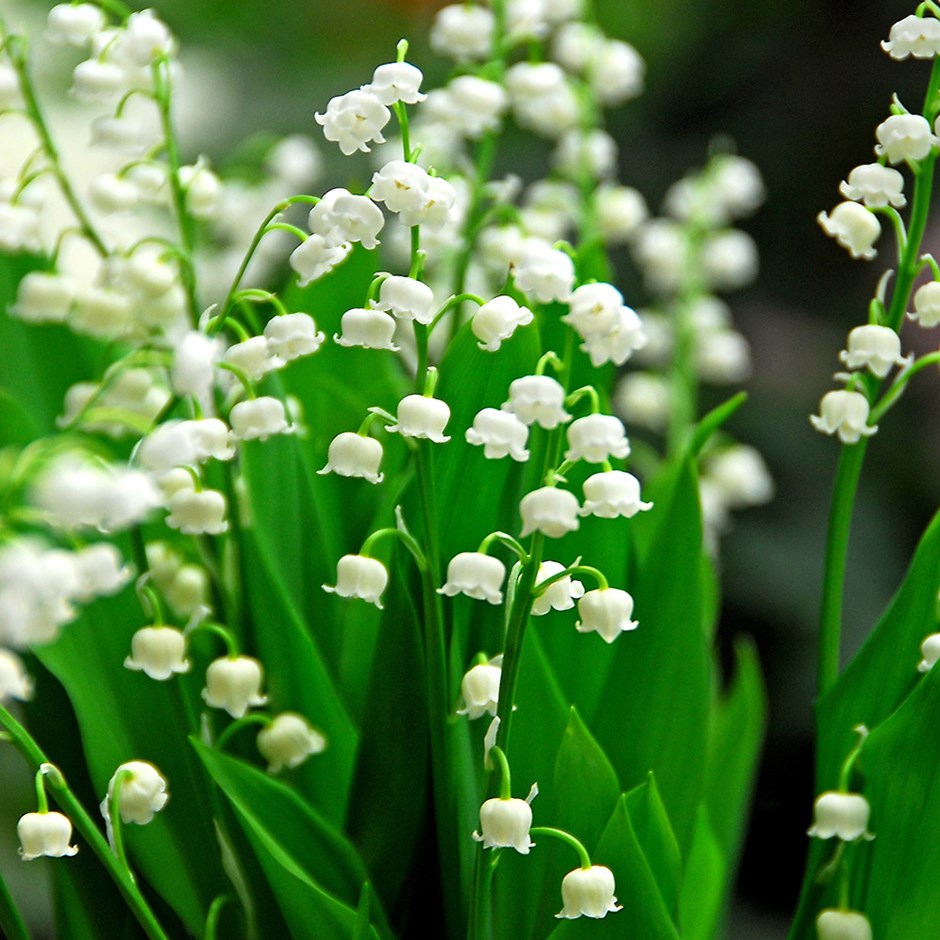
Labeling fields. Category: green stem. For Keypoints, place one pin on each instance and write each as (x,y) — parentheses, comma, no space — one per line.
(12,924)
(117,833)
(505,782)
(67,800)
(567,838)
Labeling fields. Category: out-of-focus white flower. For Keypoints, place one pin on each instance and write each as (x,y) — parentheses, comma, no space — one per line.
(234,683)
(832,924)
(406,299)
(354,120)
(194,359)
(930,652)
(644,399)
(109,193)
(422,417)
(142,794)
(729,259)
(740,476)
(295,160)
(464,33)
(354,455)
(844,413)
(44,297)
(368,328)
(875,185)
(288,741)
(500,433)
(560,594)
(537,399)
(876,348)
(606,611)
(542,272)
(505,824)
(160,652)
(735,185)
(927,304)
(619,211)
(722,357)
(549,510)
(497,320)
(100,571)
(659,248)
(477,105)
(904,137)
(843,815)
(360,576)
(479,689)
(198,512)
(594,151)
(611,494)
(596,438)
(259,418)
(616,72)
(74,24)
(44,834)
(543,100)
(203,190)
(917,36)
(588,891)
(14,680)
(341,217)
(853,227)
(396,81)
(477,575)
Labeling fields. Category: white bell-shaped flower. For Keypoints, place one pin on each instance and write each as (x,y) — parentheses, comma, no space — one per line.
(198,512)
(203,190)
(537,399)
(101,571)
(253,356)
(593,309)
(505,824)
(479,689)
(422,417)
(588,892)
(853,227)
(354,455)
(44,834)
(542,272)
(500,433)
(560,594)
(396,81)
(616,73)
(341,217)
(875,185)
(14,681)
(160,652)
(477,105)
(904,137)
(611,494)
(607,611)
(95,80)
(463,33)
(543,99)
(142,794)
(74,24)
(368,328)
(234,684)
(354,120)
(876,348)
(843,815)
(360,576)
(402,186)
(917,36)
(293,335)
(109,194)
(44,297)
(627,336)
(927,304)
(549,510)
(844,413)
(288,741)
(833,924)
(497,320)
(477,575)
(259,418)
(596,438)
(930,651)
(313,258)
(406,298)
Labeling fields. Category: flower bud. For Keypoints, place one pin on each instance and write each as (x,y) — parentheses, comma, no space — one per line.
(142,793)
(479,690)
(842,925)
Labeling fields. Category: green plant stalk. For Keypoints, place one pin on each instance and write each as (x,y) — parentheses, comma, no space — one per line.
(35,757)
(12,924)
(849,467)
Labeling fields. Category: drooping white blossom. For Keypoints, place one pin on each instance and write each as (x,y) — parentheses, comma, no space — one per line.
(843,815)
(288,741)
(845,414)
(588,892)
(853,227)
(500,433)
(360,576)
(233,683)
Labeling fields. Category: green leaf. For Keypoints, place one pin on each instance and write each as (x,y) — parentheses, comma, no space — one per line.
(653,712)
(703,883)
(901,765)
(885,669)
(300,681)
(12,925)
(734,742)
(312,869)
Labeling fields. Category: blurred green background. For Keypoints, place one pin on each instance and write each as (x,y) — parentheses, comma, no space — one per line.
(799,86)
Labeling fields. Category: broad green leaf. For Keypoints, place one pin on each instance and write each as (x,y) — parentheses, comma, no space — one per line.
(644,912)
(307,861)
(885,669)
(703,883)
(124,716)
(88,905)
(653,712)
(654,833)
(734,741)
